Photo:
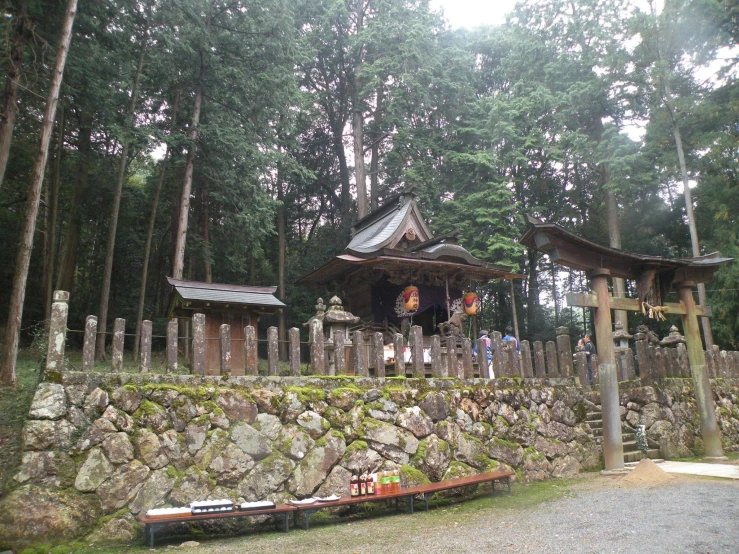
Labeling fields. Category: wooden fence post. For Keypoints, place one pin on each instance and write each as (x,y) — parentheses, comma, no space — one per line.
(145,345)
(273,351)
(198,344)
(500,363)
(119,335)
(57,331)
(541,371)
(416,343)
(378,347)
(399,346)
(172,345)
(224,339)
(88,348)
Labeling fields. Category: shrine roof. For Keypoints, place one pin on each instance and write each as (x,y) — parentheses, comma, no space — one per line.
(395,239)
(571,250)
(225,294)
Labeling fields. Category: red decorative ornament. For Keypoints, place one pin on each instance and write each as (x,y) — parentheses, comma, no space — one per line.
(411,299)
(471,303)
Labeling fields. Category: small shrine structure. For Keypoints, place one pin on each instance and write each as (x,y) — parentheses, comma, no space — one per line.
(654,277)
(234,305)
(392,250)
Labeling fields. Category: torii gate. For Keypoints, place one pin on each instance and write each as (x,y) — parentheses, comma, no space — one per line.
(654,277)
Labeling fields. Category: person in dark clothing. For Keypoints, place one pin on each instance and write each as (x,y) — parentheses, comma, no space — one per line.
(589,351)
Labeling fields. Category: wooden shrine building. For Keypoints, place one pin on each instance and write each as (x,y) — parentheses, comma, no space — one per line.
(235,305)
(654,276)
(391,249)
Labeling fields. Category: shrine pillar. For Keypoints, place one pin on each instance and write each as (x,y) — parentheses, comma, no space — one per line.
(703,393)
(613,449)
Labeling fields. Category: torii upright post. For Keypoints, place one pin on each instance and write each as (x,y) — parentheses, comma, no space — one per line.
(703,394)
(613,448)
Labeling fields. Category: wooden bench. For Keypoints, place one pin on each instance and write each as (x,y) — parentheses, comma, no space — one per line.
(151,523)
(409,494)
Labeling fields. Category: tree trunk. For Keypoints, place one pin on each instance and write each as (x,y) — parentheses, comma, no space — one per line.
(113,224)
(346,196)
(150,234)
(532,300)
(52,201)
(179,260)
(206,236)
(282,329)
(13,327)
(358,125)
(10,109)
(70,248)
(375,151)
(695,244)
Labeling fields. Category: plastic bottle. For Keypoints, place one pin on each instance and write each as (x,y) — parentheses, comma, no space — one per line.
(396,481)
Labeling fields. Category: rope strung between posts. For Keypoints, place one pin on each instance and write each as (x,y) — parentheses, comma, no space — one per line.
(654,312)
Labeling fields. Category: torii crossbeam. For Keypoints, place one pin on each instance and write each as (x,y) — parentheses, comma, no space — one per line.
(654,277)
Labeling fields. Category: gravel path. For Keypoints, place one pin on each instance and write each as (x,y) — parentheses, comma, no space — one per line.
(595,515)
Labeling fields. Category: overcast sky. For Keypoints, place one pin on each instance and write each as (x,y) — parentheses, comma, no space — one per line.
(470,13)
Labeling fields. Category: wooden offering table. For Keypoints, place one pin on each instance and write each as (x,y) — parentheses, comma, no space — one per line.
(151,523)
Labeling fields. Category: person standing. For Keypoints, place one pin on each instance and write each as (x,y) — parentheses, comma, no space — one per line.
(589,351)
(509,337)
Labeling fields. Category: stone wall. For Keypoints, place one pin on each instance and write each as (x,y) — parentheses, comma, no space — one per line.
(101,448)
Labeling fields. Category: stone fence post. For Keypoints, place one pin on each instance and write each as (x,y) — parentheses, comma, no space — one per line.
(526,365)
(378,347)
(317,348)
(399,348)
(273,350)
(145,346)
(224,339)
(251,357)
(416,343)
(88,347)
(436,363)
(119,336)
(57,331)
(198,344)
(564,351)
(541,370)
(467,358)
(360,368)
(552,366)
(172,345)
(294,334)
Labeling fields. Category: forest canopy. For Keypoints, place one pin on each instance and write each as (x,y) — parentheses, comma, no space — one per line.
(237,142)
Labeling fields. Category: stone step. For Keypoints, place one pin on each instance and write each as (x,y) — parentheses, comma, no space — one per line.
(628,437)
(653,454)
(631,465)
(597,432)
(595,424)
(593,415)
(633,456)
(630,446)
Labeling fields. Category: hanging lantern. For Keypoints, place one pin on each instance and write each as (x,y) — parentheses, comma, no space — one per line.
(471,303)
(411,300)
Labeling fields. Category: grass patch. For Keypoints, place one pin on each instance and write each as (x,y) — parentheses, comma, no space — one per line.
(14,405)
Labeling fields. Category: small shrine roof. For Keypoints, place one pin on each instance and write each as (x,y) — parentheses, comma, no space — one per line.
(571,250)
(220,293)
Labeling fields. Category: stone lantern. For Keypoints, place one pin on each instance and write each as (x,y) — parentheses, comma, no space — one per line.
(336,321)
(621,337)
(673,339)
